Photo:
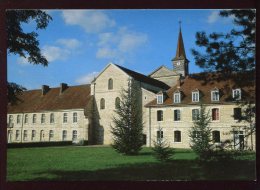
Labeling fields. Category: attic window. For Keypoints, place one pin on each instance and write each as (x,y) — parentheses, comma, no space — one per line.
(215,95)
(160,99)
(195,96)
(177,97)
(236,94)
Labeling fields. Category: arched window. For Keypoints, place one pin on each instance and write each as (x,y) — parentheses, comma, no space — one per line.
(102,103)
(216,136)
(177,136)
(110,84)
(117,102)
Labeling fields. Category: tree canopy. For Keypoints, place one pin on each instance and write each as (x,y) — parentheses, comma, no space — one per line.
(26,44)
(229,52)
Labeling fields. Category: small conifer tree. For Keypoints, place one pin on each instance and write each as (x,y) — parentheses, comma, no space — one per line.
(128,125)
(162,150)
(200,135)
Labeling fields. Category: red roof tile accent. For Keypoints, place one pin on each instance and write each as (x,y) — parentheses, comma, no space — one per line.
(205,83)
(33,101)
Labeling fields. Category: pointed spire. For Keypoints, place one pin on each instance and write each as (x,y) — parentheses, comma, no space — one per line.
(180,52)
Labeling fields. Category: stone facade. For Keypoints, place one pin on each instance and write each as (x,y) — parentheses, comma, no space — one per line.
(36,129)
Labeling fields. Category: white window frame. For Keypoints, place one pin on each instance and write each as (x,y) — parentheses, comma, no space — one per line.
(34,119)
(26,118)
(52,118)
(192,113)
(43,118)
(18,119)
(213,97)
(65,115)
(75,117)
(195,96)
(177,97)
(234,91)
(159,99)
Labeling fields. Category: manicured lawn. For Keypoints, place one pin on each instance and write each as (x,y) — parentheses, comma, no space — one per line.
(103,163)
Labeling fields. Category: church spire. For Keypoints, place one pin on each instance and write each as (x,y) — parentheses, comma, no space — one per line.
(180,62)
(180,52)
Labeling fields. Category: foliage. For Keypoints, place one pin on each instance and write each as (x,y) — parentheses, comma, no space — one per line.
(161,149)
(229,52)
(200,135)
(13,90)
(22,43)
(128,126)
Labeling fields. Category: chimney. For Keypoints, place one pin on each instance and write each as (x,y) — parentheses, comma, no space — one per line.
(45,89)
(63,87)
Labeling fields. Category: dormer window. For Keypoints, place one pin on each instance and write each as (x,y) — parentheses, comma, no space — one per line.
(160,99)
(236,94)
(196,96)
(215,95)
(177,97)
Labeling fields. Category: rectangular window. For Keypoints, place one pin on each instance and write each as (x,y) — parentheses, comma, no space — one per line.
(51,135)
(65,117)
(74,136)
(64,135)
(159,99)
(215,114)
(18,119)
(159,115)
(26,118)
(237,113)
(177,136)
(33,135)
(75,118)
(34,118)
(25,135)
(177,97)
(43,118)
(159,135)
(236,94)
(17,135)
(216,136)
(215,95)
(195,114)
(52,118)
(177,115)
(195,97)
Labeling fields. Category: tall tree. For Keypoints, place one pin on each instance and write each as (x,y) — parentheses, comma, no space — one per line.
(128,125)
(200,135)
(229,52)
(24,44)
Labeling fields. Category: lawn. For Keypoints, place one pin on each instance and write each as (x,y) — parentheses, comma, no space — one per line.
(103,163)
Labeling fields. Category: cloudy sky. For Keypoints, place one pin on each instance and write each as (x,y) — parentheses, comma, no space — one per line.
(79,43)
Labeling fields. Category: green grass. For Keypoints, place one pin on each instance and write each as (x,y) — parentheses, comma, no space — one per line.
(103,163)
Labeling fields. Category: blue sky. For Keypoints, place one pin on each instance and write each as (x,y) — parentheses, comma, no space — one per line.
(80,43)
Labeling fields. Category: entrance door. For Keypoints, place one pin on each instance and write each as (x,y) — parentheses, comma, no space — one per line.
(238,140)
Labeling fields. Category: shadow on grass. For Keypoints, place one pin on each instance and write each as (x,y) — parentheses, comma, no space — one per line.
(173,170)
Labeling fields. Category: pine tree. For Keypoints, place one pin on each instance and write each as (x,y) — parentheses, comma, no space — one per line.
(128,125)
(200,135)
(162,150)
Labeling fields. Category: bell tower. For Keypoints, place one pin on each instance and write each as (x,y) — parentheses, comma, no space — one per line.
(180,62)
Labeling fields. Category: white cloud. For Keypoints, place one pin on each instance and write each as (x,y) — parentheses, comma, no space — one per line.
(117,46)
(86,79)
(213,17)
(53,53)
(91,20)
(69,43)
